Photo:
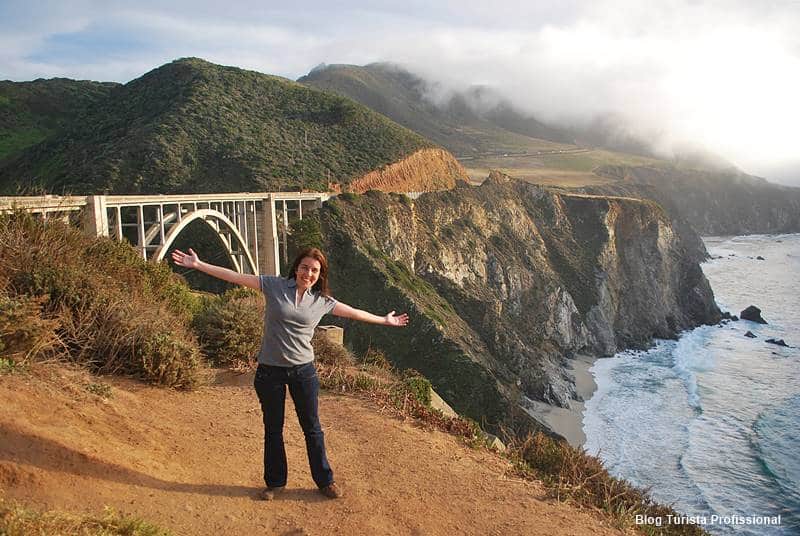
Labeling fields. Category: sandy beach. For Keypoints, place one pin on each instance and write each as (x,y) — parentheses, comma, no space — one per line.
(568,423)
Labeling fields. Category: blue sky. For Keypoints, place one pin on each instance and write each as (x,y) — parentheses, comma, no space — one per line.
(723,75)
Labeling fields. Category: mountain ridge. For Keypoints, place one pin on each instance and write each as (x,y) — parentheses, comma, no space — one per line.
(406,98)
(191,125)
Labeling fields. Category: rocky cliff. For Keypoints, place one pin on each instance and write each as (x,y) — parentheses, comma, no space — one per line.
(712,202)
(506,281)
(422,171)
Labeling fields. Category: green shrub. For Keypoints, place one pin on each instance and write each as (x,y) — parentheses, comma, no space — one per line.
(7,365)
(103,390)
(107,308)
(365,382)
(124,263)
(168,358)
(305,233)
(350,197)
(230,327)
(417,386)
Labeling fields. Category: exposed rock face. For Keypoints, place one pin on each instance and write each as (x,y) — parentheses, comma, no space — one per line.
(753,314)
(713,203)
(423,171)
(506,281)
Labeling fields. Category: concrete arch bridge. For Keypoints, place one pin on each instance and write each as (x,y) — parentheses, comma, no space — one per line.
(251,227)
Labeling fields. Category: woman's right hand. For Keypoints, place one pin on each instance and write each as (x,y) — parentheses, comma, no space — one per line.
(187,260)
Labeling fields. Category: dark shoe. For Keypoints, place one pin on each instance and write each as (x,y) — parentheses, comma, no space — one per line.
(331,491)
(268,494)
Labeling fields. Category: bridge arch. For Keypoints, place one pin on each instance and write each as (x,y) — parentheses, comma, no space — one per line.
(258,221)
(216,220)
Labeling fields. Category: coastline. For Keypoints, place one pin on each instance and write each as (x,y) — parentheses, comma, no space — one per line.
(568,422)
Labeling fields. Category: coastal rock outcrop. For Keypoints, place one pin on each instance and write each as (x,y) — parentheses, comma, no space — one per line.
(753,314)
(506,281)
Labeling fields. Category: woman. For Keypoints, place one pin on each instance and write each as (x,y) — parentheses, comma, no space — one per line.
(295,305)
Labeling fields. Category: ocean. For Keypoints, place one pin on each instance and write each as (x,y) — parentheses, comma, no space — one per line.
(710,423)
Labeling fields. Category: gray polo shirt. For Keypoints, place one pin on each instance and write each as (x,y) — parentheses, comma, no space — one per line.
(288,328)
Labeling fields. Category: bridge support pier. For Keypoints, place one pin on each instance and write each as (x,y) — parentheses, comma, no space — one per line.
(95,220)
(269,259)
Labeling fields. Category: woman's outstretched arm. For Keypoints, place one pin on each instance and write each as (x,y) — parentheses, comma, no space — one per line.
(191,260)
(390,319)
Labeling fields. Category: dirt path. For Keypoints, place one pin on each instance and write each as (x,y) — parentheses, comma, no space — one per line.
(191,462)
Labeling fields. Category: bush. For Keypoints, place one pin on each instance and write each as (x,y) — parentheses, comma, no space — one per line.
(571,473)
(7,366)
(417,386)
(107,308)
(103,390)
(24,334)
(230,327)
(124,263)
(376,358)
(330,353)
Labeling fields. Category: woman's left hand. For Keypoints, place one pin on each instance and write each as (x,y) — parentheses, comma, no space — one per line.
(398,320)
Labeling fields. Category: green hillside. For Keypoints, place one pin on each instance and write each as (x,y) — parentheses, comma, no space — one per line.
(194,126)
(32,111)
(475,122)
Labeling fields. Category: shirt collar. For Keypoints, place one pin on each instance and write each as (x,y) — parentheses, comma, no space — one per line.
(293,284)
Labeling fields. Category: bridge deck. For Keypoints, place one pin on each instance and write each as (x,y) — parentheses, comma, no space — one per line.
(48,203)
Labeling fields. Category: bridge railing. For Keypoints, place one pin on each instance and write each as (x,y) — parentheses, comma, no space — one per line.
(247,223)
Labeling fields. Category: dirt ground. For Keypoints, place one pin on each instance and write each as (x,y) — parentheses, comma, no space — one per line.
(191,463)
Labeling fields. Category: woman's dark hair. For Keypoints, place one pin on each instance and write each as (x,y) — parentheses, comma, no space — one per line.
(321,285)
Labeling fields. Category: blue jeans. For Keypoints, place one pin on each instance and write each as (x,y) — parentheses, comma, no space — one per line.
(270,384)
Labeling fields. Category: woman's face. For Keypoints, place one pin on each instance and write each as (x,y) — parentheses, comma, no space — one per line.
(307,273)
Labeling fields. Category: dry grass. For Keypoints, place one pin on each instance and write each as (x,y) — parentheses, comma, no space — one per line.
(569,168)
(24,333)
(570,474)
(16,520)
(373,378)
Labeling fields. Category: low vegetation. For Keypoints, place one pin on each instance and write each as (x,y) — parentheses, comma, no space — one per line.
(17,520)
(404,393)
(571,474)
